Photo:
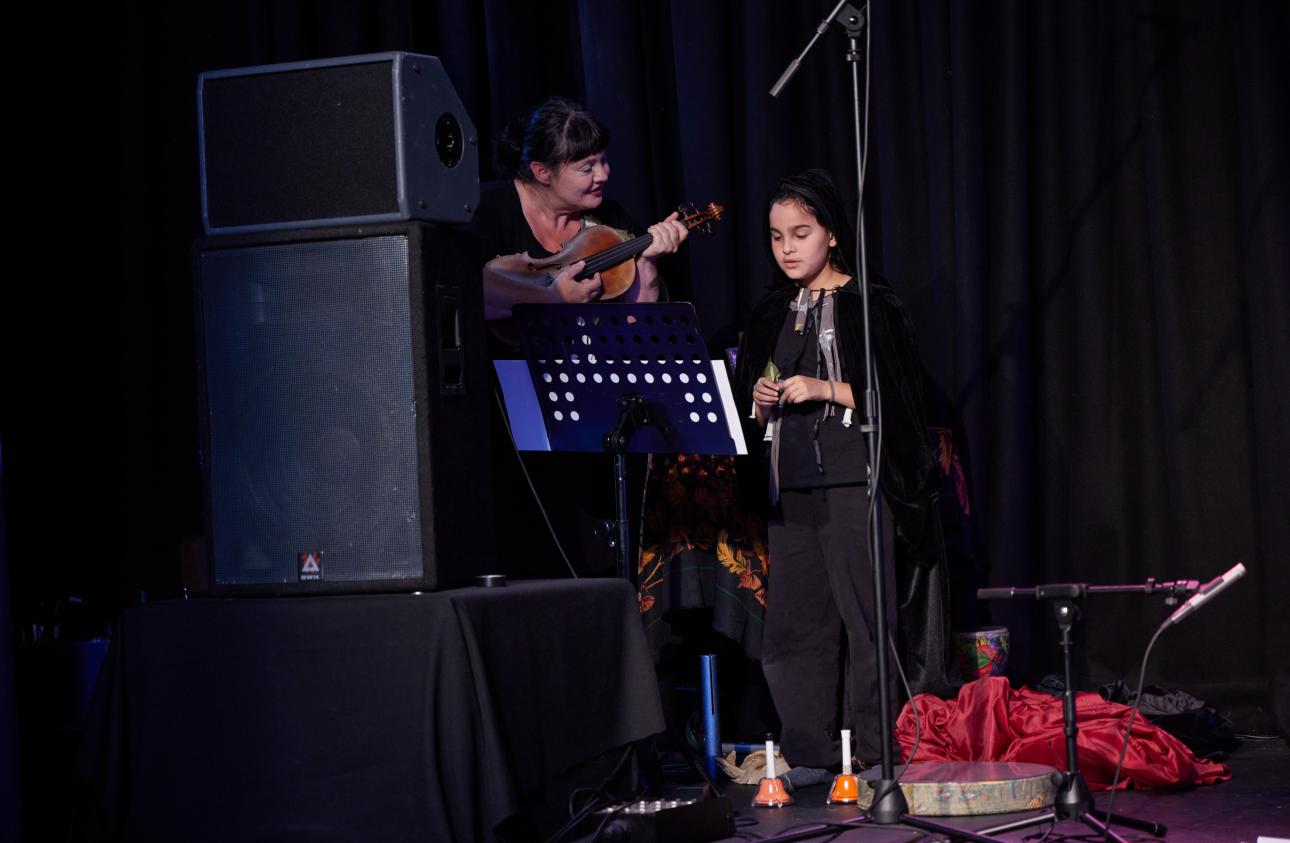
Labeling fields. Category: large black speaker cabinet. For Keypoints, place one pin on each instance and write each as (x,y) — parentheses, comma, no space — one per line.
(358,139)
(344,409)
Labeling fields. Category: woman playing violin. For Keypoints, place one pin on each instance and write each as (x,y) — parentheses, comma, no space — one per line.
(555,166)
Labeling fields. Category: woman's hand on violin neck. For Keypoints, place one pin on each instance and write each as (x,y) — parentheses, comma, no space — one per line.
(668,236)
(573,291)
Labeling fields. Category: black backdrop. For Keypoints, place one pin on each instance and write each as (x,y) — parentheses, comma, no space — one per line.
(1084,206)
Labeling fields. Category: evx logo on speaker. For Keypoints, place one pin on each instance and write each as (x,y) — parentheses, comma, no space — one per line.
(310,566)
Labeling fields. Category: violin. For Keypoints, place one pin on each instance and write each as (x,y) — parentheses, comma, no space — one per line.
(605,249)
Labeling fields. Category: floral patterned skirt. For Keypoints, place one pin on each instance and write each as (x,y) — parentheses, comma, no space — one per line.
(701,550)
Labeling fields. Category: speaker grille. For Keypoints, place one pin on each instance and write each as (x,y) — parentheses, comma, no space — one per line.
(379,137)
(312,411)
(286,146)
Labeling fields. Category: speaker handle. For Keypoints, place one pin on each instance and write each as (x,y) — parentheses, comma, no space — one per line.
(451,349)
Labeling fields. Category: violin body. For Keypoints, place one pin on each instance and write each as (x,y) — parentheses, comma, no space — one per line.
(605,249)
(586,244)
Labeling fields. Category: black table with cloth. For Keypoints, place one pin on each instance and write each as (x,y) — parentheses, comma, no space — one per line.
(377,717)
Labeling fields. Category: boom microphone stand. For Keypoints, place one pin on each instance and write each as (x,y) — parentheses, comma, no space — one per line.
(1073,800)
(889,805)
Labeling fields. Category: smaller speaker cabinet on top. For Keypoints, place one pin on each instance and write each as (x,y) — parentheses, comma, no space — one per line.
(358,139)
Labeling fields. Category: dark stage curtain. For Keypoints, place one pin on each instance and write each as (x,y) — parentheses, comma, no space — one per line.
(1084,207)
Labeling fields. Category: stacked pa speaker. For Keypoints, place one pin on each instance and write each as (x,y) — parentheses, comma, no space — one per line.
(340,311)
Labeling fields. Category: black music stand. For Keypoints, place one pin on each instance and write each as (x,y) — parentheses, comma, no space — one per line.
(623,378)
(1073,800)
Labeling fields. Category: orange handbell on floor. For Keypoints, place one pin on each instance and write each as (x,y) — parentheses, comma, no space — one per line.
(846,787)
(770,790)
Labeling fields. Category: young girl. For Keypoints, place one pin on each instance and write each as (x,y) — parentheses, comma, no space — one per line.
(802,366)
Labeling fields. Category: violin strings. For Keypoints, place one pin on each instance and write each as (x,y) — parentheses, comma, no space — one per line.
(615,255)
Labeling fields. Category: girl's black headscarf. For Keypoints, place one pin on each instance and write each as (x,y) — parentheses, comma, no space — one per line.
(815,192)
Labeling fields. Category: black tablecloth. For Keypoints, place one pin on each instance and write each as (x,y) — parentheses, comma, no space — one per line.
(379,717)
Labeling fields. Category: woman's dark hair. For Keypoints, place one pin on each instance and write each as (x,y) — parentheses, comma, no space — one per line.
(556,132)
(814,192)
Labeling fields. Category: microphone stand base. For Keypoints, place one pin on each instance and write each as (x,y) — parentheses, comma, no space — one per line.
(889,805)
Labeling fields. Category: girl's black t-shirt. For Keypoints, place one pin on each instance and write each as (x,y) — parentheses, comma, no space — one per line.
(815,450)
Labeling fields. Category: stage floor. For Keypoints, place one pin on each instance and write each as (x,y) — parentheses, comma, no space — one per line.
(1255,802)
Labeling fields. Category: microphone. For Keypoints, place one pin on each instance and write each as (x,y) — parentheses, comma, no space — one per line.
(1207,592)
(785,76)
(797,62)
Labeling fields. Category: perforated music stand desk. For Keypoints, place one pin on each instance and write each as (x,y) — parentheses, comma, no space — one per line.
(640,371)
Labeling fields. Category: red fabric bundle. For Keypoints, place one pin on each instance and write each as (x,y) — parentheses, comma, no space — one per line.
(989,721)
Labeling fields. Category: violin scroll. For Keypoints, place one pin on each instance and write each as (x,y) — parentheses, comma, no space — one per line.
(701,221)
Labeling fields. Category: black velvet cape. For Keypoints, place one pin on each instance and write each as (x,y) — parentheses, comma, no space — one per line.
(910,478)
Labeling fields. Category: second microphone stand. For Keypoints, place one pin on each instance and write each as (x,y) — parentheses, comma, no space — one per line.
(1074,800)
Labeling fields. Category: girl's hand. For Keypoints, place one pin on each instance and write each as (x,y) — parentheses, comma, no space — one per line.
(799,389)
(765,393)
